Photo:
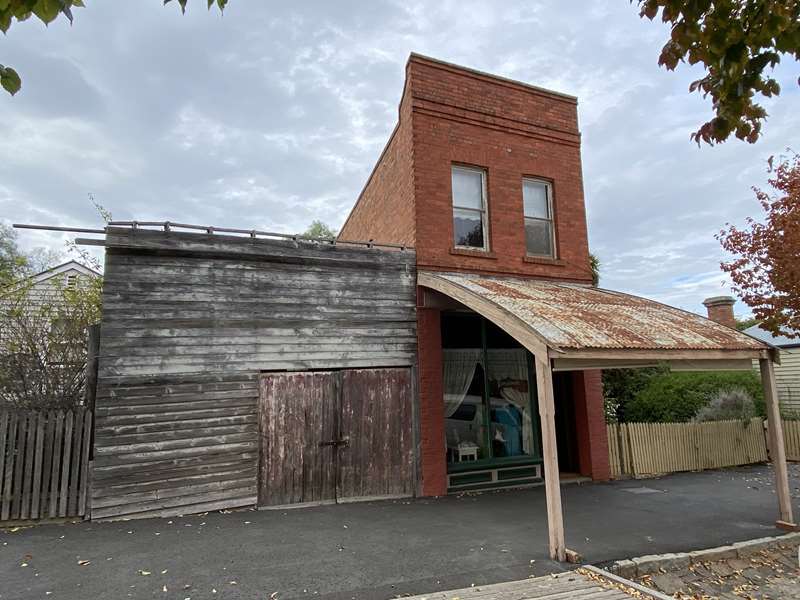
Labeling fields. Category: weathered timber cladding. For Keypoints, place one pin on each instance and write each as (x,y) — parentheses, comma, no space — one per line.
(299,414)
(189,322)
(376,420)
(336,435)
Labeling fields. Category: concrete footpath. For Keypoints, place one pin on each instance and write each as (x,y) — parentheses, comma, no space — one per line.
(384,549)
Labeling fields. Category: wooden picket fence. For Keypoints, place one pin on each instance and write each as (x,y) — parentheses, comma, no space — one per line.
(641,449)
(791,434)
(44,463)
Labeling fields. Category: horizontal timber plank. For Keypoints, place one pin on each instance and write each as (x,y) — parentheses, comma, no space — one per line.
(188,509)
(120,450)
(110,476)
(173,385)
(134,418)
(155,495)
(104,440)
(200,451)
(310,363)
(176,426)
(137,507)
(178,479)
(154,408)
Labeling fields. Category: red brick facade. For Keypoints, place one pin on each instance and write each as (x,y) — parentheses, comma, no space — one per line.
(449,116)
(433,465)
(590,425)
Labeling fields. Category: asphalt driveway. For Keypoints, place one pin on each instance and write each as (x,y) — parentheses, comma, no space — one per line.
(384,549)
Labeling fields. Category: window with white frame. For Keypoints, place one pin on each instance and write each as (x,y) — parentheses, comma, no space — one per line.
(537,196)
(469,208)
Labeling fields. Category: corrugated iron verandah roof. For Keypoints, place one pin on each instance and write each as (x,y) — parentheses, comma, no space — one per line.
(575,319)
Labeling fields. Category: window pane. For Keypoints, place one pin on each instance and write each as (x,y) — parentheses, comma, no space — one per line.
(467,228)
(467,188)
(538,237)
(534,194)
(511,424)
(465,416)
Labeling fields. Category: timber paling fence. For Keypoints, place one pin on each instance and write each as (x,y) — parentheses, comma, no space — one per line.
(44,463)
(791,434)
(642,449)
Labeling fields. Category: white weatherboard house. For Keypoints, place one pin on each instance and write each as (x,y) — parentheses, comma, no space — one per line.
(787,373)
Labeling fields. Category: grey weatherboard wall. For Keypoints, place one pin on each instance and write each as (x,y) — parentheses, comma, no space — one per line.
(189,322)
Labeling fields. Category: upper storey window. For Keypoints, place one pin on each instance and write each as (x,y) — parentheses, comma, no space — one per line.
(537,196)
(469,208)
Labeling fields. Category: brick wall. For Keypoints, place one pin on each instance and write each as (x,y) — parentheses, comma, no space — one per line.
(590,424)
(450,115)
(384,211)
(433,459)
(511,131)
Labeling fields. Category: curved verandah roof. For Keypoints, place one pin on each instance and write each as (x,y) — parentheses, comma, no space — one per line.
(581,327)
(584,327)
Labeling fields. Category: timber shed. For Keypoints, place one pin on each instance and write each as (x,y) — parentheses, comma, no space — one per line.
(195,324)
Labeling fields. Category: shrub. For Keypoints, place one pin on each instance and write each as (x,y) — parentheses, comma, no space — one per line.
(678,397)
(620,387)
(726,405)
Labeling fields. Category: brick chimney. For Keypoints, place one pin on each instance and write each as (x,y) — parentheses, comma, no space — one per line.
(720,309)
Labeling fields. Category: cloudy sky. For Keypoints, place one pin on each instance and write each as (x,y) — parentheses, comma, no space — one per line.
(273,115)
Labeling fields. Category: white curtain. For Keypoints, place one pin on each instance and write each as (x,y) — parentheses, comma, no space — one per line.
(459,369)
(512,366)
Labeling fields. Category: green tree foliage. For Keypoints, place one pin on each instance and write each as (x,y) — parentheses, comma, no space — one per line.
(678,397)
(594,267)
(48,11)
(43,336)
(12,262)
(742,324)
(738,42)
(318,229)
(620,387)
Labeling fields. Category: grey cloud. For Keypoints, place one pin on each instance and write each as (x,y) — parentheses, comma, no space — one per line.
(273,115)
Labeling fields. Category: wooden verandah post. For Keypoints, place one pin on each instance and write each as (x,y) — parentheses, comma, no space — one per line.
(552,484)
(776,443)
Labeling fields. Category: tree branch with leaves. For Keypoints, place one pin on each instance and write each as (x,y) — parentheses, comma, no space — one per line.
(738,42)
(765,270)
(47,11)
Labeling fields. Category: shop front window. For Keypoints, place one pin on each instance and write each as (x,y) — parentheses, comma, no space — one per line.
(487,399)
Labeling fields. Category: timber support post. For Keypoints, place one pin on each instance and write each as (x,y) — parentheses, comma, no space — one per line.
(552,485)
(776,444)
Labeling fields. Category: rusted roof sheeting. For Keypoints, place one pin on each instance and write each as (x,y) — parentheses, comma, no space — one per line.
(571,316)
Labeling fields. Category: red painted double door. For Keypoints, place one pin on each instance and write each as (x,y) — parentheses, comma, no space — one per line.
(335,435)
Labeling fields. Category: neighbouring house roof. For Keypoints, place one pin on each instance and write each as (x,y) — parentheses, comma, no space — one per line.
(781,341)
(66,267)
(578,320)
